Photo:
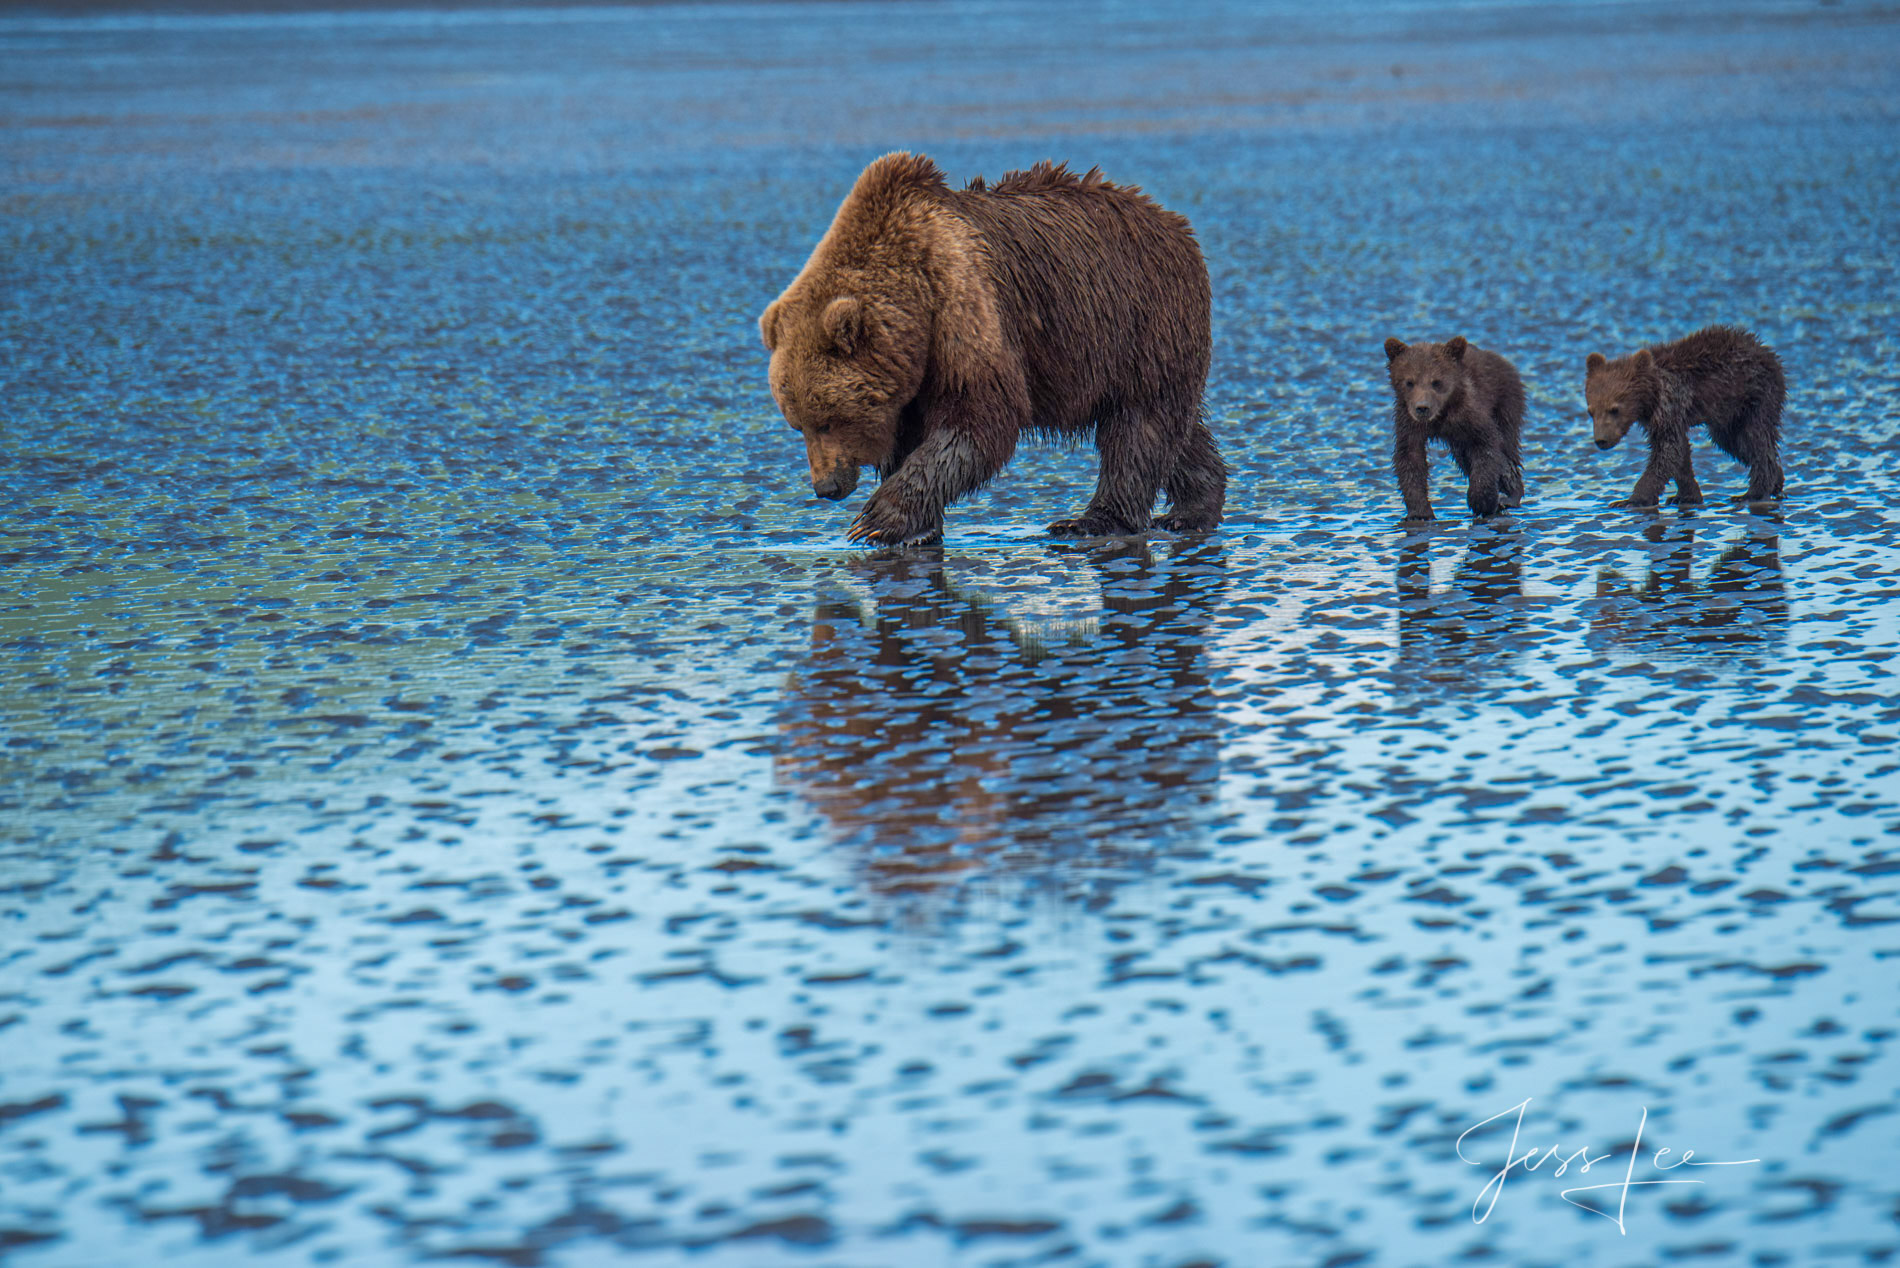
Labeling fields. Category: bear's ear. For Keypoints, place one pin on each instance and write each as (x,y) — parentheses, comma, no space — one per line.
(844,323)
(1642,360)
(768,326)
(1455,347)
(1392,349)
(1594,362)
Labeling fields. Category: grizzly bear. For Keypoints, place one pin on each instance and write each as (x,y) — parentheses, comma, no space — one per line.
(931,327)
(1722,376)
(1471,400)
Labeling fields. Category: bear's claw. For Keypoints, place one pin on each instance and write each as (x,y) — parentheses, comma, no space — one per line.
(878,525)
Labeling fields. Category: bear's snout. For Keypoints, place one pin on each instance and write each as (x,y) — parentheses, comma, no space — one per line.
(1422,410)
(836,483)
(1605,444)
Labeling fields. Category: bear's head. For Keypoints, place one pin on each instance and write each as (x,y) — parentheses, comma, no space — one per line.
(1619,393)
(1425,376)
(844,366)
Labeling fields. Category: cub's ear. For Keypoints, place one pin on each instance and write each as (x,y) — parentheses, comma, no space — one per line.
(844,323)
(1392,349)
(768,326)
(1642,360)
(1455,347)
(1594,362)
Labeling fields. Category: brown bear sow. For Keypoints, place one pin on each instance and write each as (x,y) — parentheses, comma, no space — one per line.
(1470,399)
(931,327)
(1722,376)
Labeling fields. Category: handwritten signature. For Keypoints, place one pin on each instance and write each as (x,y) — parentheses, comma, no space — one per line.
(1533,1158)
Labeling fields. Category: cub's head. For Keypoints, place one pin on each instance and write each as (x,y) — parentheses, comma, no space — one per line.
(1618,393)
(1425,376)
(844,366)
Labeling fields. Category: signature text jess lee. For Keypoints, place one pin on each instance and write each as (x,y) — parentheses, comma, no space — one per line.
(1535,1157)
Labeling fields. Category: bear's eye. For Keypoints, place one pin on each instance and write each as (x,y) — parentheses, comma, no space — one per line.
(1408,383)
(1613,411)
(823,429)
(1437,386)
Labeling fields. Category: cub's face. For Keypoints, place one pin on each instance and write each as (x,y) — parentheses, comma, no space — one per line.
(1425,376)
(842,372)
(1619,394)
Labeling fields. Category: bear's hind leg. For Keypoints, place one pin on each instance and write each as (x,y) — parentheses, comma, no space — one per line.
(1756,441)
(1197,487)
(1134,457)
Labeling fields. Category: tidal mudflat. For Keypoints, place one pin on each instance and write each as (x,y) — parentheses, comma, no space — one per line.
(464,801)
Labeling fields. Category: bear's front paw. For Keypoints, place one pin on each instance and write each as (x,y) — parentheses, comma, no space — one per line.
(1692,498)
(1418,521)
(885,522)
(1632,504)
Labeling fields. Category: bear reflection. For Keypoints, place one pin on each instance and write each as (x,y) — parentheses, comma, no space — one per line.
(946,734)
(1740,607)
(1473,629)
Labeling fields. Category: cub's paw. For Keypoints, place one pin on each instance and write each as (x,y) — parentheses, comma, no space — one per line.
(1686,499)
(1417,521)
(1631,504)
(1090,524)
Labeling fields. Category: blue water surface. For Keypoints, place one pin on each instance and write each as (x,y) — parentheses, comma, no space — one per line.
(463,799)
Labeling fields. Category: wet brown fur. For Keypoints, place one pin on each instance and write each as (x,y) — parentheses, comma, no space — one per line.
(1722,376)
(1473,402)
(932,327)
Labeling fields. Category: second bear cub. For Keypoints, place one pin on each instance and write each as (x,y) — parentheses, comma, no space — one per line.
(1471,400)
(1722,376)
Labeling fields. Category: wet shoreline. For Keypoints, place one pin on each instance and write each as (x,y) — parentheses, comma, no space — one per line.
(464,800)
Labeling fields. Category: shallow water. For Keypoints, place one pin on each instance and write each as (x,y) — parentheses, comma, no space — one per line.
(464,800)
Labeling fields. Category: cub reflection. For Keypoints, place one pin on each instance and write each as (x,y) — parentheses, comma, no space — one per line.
(1740,606)
(945,733)
(1478,625)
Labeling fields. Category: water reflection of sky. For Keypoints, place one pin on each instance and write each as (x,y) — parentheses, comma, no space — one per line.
(463,801)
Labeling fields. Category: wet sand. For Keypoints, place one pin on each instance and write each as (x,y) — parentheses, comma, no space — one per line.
(463,799)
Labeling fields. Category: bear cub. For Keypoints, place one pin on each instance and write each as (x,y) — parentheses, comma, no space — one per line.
(1722,376)
(1469,399)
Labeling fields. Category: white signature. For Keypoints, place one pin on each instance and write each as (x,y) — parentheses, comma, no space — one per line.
(1533,1158)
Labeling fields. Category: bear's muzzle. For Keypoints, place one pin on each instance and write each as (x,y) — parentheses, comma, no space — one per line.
(835,483)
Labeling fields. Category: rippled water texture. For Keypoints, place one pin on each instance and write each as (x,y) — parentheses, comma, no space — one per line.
(463,800)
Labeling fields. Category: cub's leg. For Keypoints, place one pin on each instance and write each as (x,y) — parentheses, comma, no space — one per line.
(1688,492)
(1756,441)
(1413,471)
(1486,468)
(1667,446)
(1511,480)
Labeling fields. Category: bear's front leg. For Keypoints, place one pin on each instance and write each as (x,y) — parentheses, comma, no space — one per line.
(1487,472)
(908,506)
(1414,474)
(1667,449)
(1688,492)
